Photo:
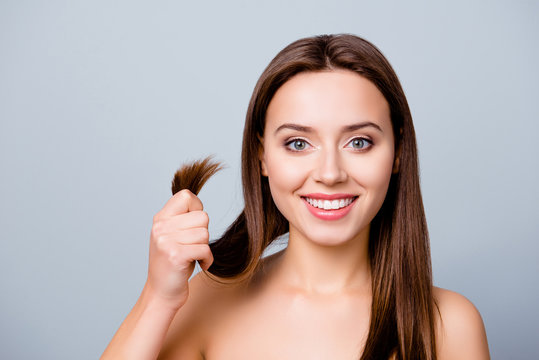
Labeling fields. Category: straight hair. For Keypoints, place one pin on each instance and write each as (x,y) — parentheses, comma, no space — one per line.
(403,308)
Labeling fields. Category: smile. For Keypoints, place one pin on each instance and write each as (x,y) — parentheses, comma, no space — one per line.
(329,207)
(329,204)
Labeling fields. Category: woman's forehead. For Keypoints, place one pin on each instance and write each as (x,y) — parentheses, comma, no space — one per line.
(326,99)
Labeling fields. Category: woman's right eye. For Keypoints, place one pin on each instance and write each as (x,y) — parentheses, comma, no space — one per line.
(297,145)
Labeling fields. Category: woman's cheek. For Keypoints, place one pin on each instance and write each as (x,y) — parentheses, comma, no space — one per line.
(284,173)
(379,176)
(285,176)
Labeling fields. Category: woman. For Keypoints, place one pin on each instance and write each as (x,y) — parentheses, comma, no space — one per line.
(329,155)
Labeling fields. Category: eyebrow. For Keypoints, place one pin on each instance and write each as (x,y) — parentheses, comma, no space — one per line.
(348,128)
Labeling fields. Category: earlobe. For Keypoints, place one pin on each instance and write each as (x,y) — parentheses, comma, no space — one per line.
(396,163)
(396,166)
(263,169)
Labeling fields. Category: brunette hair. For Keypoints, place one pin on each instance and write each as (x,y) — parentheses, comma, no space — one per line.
(403,309)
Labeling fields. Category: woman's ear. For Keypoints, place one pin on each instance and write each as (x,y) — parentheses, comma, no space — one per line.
(263,168)
(396,162)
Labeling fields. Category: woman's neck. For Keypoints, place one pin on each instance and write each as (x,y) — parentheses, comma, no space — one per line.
(325,270)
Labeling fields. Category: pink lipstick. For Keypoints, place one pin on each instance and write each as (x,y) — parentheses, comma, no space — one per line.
(329,206)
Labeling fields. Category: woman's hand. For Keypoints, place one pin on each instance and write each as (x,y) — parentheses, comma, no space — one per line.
(178,238)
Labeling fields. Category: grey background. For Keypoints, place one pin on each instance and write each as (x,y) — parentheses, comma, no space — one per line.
(101,101)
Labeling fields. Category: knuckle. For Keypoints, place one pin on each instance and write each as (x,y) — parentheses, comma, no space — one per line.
(208,256)
(161,243)
(157,230)
(157,227)
(208,252)
(204,233)
(154,236)
(184,194)
(175,257)
(204,218)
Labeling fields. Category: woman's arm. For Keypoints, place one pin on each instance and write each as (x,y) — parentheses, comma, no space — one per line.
(142,333)
(460,333)
(178,238)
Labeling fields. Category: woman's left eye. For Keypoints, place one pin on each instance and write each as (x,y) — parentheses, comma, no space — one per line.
(359,143)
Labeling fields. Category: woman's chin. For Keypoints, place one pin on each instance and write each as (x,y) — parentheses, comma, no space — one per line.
(332,238)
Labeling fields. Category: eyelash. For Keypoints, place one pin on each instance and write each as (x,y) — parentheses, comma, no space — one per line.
(288,143)
(364,139)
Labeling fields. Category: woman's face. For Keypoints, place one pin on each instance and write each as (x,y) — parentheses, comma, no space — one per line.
(328,153)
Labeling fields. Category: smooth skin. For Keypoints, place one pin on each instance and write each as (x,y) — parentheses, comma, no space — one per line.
(326,133)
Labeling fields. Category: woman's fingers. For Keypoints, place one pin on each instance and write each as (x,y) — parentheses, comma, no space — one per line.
(181,256)
(182,202)
(200,252)
(179,237)
(199,235)
(180,222)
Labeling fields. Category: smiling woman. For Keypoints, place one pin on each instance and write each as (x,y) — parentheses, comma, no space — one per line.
(329,155)
(320,111)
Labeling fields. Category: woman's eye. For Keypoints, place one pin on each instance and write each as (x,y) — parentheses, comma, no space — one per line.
(360,143)
(297,145)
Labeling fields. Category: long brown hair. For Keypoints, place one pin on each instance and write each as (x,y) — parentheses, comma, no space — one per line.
(403,309)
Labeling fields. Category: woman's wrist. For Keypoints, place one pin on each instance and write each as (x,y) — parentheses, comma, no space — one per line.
(151,299)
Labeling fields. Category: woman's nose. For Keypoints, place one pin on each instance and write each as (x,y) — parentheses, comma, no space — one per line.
(329,168)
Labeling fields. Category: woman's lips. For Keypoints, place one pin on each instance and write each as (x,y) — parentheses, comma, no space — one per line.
(329,206)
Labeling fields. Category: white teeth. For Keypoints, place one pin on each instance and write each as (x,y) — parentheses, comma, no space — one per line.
(330,204)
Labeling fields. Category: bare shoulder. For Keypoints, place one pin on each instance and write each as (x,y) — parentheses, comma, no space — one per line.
(460,332)
(186,335)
